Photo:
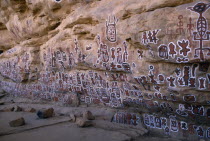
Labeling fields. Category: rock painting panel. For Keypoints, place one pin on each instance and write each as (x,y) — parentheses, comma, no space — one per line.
(114,81)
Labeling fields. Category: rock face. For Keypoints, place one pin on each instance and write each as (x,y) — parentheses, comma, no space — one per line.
(17,122)
(153,56)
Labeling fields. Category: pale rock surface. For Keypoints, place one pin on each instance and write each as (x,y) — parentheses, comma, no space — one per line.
(149,59)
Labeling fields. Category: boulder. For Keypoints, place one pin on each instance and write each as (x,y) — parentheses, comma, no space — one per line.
(45,113)
(17,122)
(88,115)
(81,122)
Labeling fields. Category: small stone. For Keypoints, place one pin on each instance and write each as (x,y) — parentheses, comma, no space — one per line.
(88,115)
(31,110)
(81,122)
(17,109)
(8,109)
(17,122)
(45,113)
(72,117)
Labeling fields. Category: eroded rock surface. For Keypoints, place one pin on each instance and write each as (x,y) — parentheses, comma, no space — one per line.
(150,59)
(45,113)
(17,122)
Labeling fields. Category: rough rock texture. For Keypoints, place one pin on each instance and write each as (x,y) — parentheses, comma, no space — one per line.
(31,110)
(47,113)
(149,58)
(88,115)
(81,122)
(72,117)
(17,109)
(17,122)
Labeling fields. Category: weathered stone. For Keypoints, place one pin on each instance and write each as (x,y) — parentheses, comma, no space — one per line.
(31,110)
(47,113)
(72,117)
(17,109)
(88,115)
(17,122)
(75,100)
(81,122)
(8,109)
(151,56)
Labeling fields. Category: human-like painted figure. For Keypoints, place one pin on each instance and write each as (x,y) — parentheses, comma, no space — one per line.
(111,32)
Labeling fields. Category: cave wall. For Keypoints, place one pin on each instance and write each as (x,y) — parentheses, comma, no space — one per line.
(150,55)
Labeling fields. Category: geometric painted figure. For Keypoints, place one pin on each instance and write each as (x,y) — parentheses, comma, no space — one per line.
(202,82)
(111,32)
(172,50)
(202,34)
(184,47)
(174,125)
(163,51)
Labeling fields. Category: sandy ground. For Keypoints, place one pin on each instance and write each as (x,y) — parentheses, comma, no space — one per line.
(60,128)
(70,132)
(66,132)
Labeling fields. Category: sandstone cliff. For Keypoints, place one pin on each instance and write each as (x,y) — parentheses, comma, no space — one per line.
(151,55)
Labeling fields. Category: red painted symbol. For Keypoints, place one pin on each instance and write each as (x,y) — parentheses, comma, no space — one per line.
(184,47)
(76,45)
(140,54)
(125,55)
(171,81)
(202,82)
(163,51)
(201,34)
(182,60)
(172,49)
(190,27)
(150,37)
(111,32)
(186,75)
(180,29)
